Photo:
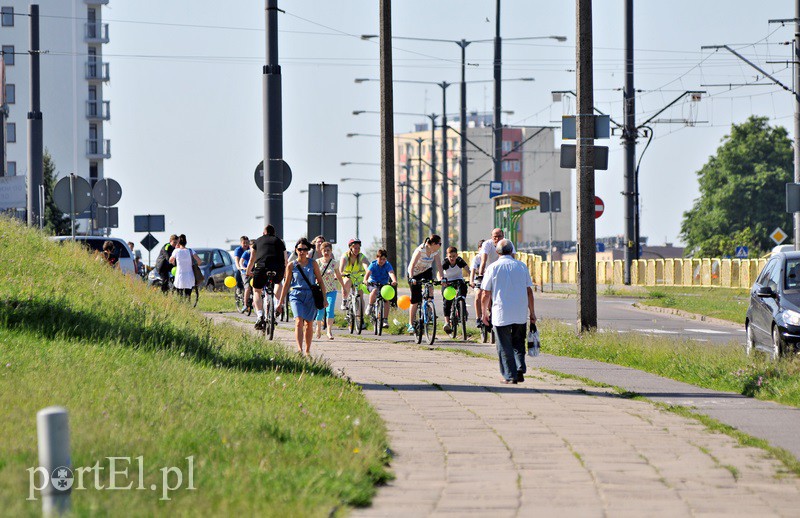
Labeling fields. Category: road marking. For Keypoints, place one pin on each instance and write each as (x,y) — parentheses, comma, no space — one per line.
(709,331)
(658,331)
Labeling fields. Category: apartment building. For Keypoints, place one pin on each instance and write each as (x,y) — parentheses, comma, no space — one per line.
(73,74)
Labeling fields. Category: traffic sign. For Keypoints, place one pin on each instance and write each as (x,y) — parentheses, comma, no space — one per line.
(568,158)
(741,252)
(276,162)
(322,225)
(74,187)
(107,217)
(149,242)
(495,189)
(323,198)
(149,223)
(107,192)
(599,207)
(602,127)
(549,201)
(778,235)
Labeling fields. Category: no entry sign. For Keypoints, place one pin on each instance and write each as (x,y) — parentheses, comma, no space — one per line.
(599,207)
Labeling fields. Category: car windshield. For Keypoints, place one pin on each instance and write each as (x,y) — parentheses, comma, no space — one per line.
(204,255)
(96,245)
(792,274)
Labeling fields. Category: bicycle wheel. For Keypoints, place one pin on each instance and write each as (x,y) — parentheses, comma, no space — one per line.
(351,316)
(358,310)
(455,317)
(462,315)
(269,313)
(430,323)
(238,297)
(484,333)
(373,315)
(418,325)
(379,316)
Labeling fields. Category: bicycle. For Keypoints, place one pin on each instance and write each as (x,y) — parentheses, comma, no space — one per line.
(242,305)
(486,330)
(376,309)
(268,296)
(355,306)
(426,318)
(458,310)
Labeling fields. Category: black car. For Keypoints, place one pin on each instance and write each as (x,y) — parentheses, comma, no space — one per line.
(773,317)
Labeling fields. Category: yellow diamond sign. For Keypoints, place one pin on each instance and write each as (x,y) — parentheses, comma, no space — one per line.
(778,236)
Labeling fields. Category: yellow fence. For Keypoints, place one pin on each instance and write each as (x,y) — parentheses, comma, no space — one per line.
(724,273)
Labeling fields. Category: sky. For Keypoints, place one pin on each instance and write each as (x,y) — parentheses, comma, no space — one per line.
(187,119)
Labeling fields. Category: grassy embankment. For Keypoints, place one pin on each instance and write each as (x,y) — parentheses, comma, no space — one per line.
(144,375)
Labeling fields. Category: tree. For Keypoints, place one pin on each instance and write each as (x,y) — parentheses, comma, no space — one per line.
(55,222)
(741,191)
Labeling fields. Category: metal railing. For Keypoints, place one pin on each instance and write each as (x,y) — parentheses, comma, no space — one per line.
(98,148)
(95,32)
(98,110)
(97,71)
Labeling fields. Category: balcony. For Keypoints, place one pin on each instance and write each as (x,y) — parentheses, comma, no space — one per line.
(95,32)
(98,148)
(95,2)
(98,110)
(97,71)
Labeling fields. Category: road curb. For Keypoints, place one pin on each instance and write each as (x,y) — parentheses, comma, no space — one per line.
(685,314)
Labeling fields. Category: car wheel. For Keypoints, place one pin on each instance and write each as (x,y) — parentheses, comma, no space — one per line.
(750,339)
(210,285)
(777,343)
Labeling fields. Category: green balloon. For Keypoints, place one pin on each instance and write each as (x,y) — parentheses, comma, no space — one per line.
(174,270)
(450,293)
(387,292)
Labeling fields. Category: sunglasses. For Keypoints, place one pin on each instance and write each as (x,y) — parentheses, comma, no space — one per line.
(302,249)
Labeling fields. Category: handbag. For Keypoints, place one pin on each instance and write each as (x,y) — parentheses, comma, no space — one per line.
(316,291)
(198,274)
(533,341)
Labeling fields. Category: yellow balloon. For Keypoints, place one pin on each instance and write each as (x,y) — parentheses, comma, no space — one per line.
(251,282)
(230,282)
(404,302)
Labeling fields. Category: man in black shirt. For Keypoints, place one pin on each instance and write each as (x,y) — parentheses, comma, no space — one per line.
(163,265)
(268,255)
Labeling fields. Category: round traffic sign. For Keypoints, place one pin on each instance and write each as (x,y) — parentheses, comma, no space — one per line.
(278,162)
(599,207)
(81,194)
(107,192)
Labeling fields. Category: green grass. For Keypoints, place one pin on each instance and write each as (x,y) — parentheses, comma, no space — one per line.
(216,301)
(144,375)
(723,303)
(725,368)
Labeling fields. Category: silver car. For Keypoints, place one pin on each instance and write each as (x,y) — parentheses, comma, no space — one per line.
(95,244)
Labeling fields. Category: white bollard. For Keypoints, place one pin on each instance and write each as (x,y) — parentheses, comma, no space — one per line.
(52,424)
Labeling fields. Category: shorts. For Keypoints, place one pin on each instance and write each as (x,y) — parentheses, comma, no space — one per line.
(260,277)
(416,289)
(240,279)
(478,281)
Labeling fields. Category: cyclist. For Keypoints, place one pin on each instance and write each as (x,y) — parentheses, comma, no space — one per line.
(453,267)
(241,257)
(354,264)
(269,255)
(488,256)
(379,273)
(475,280)
(163,266)
(424,258)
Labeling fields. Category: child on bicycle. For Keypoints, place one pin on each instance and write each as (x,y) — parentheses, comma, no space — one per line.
(453,267)
(380,273)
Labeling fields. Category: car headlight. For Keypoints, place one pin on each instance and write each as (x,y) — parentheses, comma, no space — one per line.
(791,317)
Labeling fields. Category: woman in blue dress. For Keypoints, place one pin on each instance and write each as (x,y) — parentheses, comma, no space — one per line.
(300,296)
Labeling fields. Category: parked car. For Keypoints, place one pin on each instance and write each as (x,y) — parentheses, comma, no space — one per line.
(772,323)
(95,244)
(217,264)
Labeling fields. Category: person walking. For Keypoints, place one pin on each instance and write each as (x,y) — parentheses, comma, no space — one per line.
(475,280)
(424,258)
(182,258)
(300,275)
(330,273)
(241,257)
(508,287)
(488,254)
(163,265)
(268,255)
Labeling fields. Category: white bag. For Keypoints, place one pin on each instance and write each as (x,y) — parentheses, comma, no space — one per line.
(533,341)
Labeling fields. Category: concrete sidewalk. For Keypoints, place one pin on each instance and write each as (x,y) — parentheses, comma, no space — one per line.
(465,445)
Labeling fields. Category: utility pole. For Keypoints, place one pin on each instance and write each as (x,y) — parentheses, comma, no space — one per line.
(433,173)
(419,190)
(358,214)
(462,195)
(587,274)
(445,203)
(796,115)
(498,126)
(388,221)
(273,125)
(407,240)
(629,135)
(35,128)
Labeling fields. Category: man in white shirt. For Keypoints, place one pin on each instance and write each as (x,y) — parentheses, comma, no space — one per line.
(508,286)
(488,254)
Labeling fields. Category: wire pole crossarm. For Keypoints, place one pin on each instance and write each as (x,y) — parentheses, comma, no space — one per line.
(662,110)
(572,92)
(766,74)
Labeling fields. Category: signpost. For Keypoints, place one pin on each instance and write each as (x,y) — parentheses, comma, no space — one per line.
(742,252)
(149,223)
(323,204)
(599,207)
(778,235)
(495,189)
(550,202)
(72,194)
(149,242)
(278,162)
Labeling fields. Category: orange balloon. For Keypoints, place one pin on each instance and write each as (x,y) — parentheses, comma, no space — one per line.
(404,302)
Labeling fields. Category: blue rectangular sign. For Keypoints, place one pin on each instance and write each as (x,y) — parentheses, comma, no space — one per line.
(495,189)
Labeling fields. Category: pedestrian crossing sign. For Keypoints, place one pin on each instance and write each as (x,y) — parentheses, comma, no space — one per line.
(741,252)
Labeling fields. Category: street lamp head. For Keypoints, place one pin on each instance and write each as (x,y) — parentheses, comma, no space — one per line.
(561,39)
(344,163)
(351,135)
(358,112)
(368,36)
(361,79)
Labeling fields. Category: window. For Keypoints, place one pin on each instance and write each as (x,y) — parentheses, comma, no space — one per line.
(7,16)
(516,166)
(11,93)
(774,277)
(11,132)
(792,274)
(226,258)
(764,275)
(11,169)
(8,55)
(506,145)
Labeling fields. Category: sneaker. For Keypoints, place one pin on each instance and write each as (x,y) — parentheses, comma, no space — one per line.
(260,324)
(479,323)
(447,329)
(520,378)
(343,306)
(410,329)
(385,324)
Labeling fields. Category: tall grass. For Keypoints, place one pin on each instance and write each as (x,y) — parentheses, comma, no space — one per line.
(145,375)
